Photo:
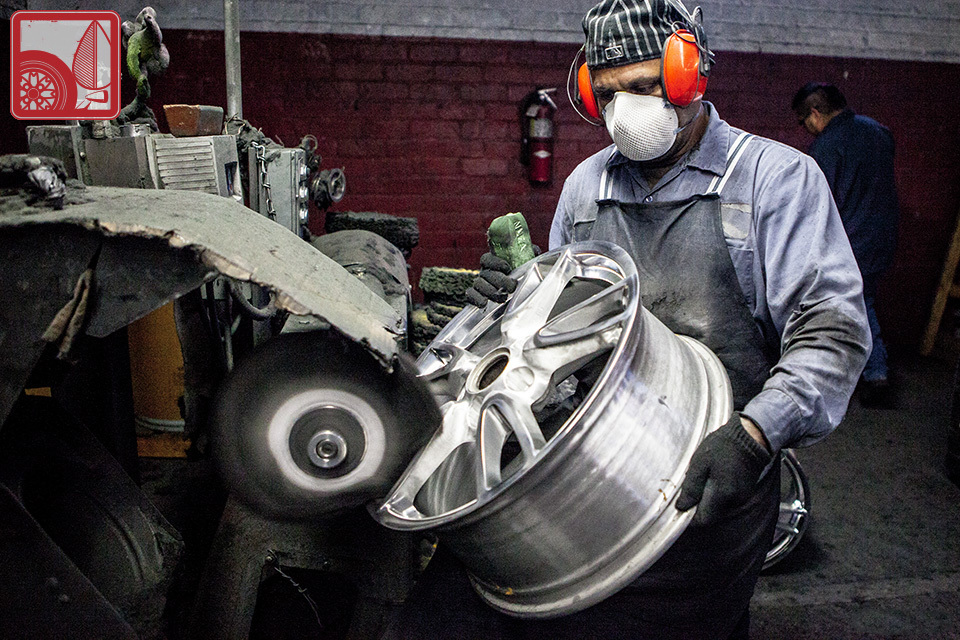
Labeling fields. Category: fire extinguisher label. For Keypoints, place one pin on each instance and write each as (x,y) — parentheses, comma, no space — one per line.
(541,128)
(542,154)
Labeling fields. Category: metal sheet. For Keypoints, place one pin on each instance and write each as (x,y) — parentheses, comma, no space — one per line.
(156,245)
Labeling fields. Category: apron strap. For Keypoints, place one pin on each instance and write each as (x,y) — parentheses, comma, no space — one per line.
(716,185)
(606,185)
(733,157)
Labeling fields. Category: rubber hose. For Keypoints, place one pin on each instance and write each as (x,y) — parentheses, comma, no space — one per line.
(247,308)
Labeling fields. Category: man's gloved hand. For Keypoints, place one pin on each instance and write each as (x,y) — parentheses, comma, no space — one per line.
(493,282)
(723,472)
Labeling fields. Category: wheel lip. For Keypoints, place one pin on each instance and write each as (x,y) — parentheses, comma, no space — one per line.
(567,436)
(293,408)
(781,548)
(605,581)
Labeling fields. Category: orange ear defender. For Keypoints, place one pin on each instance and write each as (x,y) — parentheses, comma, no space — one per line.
(681,74)
(680,69)
(586,92)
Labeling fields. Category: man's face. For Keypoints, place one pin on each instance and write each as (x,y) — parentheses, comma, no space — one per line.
(813,121)
(641,78)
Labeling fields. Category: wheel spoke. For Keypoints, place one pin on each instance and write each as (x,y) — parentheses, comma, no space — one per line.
(455,431)
(519,419)
(493,434)
(580,334)
(559,361)
(485,324)
(595,314)
(531,305)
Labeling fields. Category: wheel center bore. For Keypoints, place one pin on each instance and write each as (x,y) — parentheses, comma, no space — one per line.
(489,369)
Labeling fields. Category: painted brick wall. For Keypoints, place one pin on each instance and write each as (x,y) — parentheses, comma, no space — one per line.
(429,128)
(928,31)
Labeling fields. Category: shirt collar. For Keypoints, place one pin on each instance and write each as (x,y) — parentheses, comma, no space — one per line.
(846,114)
(709,155)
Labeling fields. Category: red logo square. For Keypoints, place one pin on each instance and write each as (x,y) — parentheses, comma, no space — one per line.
(65,65)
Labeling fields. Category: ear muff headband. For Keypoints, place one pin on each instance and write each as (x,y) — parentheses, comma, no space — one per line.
(680,69)
(684,66)
(680,74)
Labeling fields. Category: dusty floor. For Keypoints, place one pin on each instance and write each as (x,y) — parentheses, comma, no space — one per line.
(881,558)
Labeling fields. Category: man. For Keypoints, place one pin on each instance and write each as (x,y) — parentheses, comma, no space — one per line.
(856,155)
(740,237)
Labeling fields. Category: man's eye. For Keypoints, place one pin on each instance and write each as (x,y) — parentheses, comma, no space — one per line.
(604,95)
(643,90)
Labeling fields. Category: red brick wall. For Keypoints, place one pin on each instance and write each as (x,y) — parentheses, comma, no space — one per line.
(429,128)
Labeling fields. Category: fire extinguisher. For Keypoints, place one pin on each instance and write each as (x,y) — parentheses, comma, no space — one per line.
(536,151)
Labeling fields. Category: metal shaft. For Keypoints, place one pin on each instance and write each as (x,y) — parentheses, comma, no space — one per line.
(231,37)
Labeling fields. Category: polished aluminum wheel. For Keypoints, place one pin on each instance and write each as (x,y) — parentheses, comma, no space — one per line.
(794,509)
(553,510)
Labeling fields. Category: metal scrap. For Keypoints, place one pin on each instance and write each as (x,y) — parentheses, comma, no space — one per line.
(42,176)
(155,246)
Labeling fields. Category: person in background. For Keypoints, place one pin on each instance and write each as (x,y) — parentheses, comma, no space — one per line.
(855,154)
(739,244)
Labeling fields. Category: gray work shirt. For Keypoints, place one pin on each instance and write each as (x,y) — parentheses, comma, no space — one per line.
(791,256)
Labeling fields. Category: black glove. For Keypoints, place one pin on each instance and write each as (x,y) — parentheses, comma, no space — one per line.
(492,283)
(723,472)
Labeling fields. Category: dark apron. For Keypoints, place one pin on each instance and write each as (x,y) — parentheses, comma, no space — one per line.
(703,584)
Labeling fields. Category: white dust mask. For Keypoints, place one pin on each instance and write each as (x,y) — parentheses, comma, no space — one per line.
(642,127)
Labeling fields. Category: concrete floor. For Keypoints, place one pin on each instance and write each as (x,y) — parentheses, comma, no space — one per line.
(881,558)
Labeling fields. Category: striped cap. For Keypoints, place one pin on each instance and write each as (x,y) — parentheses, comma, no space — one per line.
(621,32)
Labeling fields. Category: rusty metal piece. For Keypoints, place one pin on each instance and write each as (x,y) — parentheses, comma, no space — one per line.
(194,119)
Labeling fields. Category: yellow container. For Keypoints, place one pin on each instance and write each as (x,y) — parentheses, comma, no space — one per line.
(156,370)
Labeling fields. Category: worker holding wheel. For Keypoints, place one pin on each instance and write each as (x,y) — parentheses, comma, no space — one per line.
(739,244)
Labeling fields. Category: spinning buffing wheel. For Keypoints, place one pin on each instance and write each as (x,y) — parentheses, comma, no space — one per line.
(309,424)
